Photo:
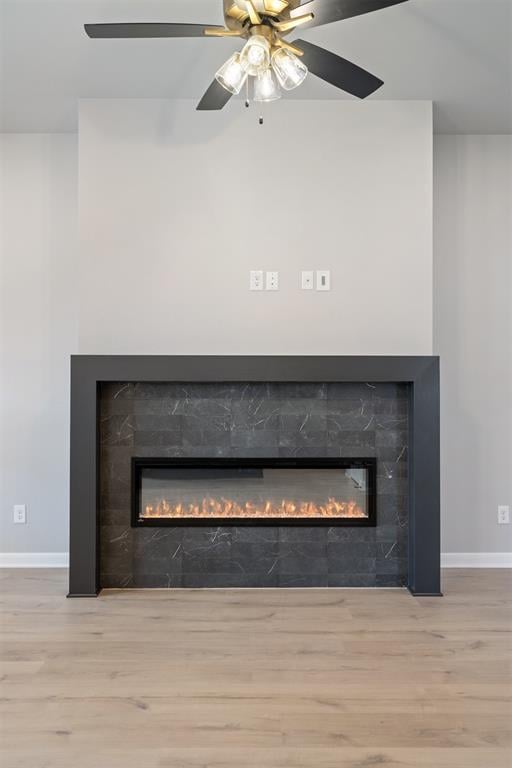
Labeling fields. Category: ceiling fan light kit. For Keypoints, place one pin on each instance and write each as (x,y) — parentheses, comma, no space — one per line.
(266,87)
(255,55)
(232,75)
(273,62)
(290,70)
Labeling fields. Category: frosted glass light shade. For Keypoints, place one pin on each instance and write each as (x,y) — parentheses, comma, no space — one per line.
(290,70)
(232,75)
(255,56)
(266,87)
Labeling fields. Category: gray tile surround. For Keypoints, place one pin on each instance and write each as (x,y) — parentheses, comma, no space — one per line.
(253,420)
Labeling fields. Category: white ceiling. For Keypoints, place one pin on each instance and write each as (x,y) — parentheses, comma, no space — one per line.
(455,52)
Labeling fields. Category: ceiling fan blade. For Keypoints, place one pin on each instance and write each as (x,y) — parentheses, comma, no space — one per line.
(147,29)
(215,97)
(327,11)
(338,71)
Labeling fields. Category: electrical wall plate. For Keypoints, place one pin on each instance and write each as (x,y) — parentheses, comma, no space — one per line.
(307,280)
(256,280)
(272,281)
(19,514)
(323,279)
(503,514)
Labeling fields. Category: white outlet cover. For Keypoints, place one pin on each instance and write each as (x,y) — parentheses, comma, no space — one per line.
(19,514)
(504,514)
(272,281)
(307,280)
(323,279)
(256,280)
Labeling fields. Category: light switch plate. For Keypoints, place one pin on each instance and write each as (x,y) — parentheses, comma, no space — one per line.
(256,280)
(272,283)
(19,514)
(307,280)
(323,280)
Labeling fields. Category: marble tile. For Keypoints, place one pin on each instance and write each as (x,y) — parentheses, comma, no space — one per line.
(259,420)
(257,438)
(360,439)
(229,579)
(303,438)
(255,414)
(362,579)
(157,438)
(116,430)
(160,423)
(289,390)
(296,581)
(199,436)
(264,534)
(351,390)
(302,558)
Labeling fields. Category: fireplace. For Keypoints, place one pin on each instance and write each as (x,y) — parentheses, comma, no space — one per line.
(263,409)
(273,491)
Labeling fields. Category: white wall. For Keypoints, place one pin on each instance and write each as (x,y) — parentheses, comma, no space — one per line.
(473,335)
(38,332)
(177,206)
(38,312)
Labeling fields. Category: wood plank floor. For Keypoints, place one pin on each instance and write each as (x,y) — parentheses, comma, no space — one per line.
(259,679)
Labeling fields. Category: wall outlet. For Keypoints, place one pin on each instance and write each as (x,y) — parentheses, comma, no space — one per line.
(504,514)
(256,280)
(19,514)
(272,283)
(323,280)
(307,280)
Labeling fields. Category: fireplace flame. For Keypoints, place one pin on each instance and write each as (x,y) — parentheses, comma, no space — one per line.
(228,508)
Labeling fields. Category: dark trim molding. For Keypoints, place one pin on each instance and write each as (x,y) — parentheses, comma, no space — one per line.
(422,373)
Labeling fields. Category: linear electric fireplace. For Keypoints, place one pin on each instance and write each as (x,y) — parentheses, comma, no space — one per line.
(170,491)
(285,408)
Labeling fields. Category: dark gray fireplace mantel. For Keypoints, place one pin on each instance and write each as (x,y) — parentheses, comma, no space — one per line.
(421,373)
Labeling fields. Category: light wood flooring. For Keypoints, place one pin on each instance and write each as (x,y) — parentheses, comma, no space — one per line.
(256,679)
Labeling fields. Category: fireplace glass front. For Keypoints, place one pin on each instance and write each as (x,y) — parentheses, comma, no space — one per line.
(170,491)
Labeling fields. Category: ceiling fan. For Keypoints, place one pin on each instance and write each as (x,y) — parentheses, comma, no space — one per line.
(273,62)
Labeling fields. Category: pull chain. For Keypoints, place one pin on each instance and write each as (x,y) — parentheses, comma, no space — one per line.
(247,102)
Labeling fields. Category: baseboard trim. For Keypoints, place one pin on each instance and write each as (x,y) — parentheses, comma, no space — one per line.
(476,560)
(34,559)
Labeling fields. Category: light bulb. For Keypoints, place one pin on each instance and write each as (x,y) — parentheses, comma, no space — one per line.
(255,56)
(266,87)
(232,75)
(289,69)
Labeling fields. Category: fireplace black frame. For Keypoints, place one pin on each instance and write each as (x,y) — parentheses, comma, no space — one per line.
(420,373)
(139,463)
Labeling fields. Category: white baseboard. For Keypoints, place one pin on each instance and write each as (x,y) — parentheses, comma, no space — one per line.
(34,559)
(476,560)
